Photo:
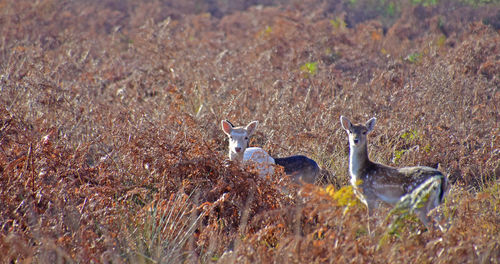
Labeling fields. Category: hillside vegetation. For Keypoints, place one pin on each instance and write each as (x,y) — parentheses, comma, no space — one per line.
(111,149)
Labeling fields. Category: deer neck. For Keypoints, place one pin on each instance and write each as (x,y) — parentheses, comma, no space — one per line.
(234,156)
(358,162)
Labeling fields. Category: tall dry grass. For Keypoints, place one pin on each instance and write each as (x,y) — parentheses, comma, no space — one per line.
(111,150)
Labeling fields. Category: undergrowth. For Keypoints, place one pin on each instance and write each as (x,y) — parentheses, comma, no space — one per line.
(111,148)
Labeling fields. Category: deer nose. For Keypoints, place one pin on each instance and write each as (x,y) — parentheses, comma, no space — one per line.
(356,141)
(237,149)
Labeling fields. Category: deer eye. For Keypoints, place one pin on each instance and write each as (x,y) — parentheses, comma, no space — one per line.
(246,138)
(364,132)
(231,137)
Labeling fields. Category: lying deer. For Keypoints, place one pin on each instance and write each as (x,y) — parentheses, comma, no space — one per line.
(374,183)
(299,167)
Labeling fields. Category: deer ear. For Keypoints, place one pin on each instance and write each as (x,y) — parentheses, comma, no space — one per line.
(230,123)
(371,124)
(226,127)
(345,122)
(251,127)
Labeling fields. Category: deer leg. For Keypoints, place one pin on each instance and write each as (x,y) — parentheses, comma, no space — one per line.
(371,209)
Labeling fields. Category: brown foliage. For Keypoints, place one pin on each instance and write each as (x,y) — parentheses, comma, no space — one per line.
(110,112)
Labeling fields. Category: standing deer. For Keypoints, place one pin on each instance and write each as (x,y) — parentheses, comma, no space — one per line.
(299,167)
(374,183)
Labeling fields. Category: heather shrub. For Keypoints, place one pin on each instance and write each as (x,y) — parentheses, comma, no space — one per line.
(111,148)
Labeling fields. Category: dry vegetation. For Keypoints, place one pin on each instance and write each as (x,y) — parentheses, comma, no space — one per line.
(111,149)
